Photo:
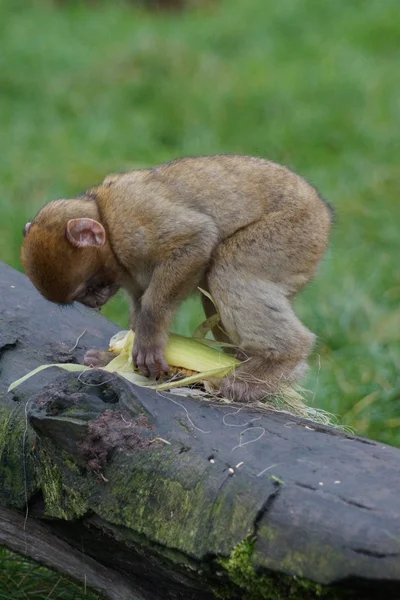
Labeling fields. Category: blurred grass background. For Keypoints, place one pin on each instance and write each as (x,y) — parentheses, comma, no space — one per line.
(87,89)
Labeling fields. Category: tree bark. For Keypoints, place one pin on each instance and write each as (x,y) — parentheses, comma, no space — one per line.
(155,496)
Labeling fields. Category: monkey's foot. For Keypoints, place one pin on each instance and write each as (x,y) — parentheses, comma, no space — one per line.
(98,358)
(268,378)
(243,391)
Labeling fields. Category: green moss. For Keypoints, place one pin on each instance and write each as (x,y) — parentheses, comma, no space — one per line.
(162,556)
(155,492)
(254,586)
(28,465)
(16,459)
(60,490)
(296,559)
(4,427)
(70,464)
(156,501)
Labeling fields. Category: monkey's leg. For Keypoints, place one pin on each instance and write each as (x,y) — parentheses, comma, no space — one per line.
(218,331)
(254,274)
(268,332)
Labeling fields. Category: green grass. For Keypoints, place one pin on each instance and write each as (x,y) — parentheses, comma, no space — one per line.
(86,90)
(26,580)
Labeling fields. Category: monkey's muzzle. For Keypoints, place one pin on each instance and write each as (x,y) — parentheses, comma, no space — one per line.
(96,297)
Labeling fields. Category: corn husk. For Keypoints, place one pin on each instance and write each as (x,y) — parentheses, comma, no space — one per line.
(188,358)
(65,366)
(185,356)
(181,353)
(194,361)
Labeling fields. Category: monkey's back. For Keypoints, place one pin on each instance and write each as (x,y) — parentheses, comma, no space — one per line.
(222,182)
(233,190)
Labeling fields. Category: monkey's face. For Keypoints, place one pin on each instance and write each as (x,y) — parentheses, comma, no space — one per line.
(96,291)
(67,261)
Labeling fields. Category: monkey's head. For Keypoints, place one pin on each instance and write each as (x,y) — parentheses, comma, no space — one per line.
(66,254)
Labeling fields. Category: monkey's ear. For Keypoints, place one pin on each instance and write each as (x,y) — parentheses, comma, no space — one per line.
(85,232)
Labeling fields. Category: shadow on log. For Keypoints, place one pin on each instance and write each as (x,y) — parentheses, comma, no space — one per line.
(154,496)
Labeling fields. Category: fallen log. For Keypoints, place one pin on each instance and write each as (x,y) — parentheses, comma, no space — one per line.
(154,496)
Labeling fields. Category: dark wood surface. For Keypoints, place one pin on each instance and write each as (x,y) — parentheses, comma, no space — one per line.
(156,488)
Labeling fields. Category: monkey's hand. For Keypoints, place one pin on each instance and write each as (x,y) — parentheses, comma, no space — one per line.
(148,356)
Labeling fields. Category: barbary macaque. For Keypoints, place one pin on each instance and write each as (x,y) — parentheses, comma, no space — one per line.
(249,231)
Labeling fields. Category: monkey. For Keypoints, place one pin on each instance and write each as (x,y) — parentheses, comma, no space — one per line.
(248,230)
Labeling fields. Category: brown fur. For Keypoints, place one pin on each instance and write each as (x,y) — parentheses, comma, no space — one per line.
(251,231)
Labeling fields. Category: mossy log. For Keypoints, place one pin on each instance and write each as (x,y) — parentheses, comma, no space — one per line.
(154,496)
